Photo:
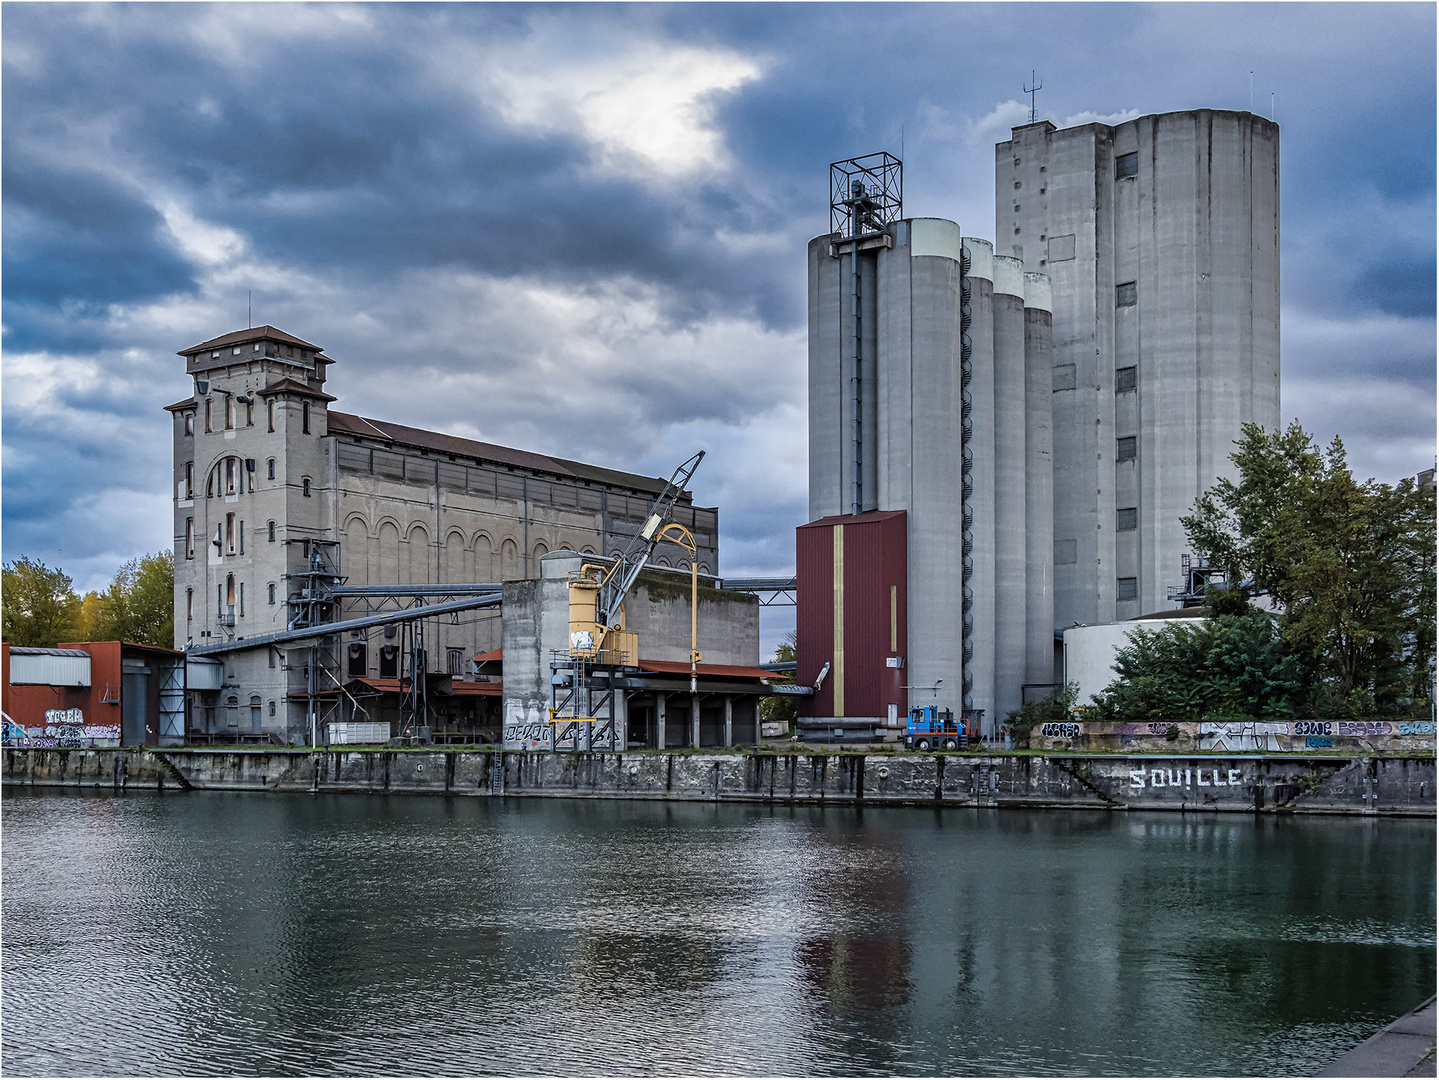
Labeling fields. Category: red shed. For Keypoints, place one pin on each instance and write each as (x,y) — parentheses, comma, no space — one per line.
(852,600)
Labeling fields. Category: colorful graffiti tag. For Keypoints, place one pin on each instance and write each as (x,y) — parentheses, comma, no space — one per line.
(64,729)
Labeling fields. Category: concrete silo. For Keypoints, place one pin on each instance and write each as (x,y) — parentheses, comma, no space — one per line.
(1161,236)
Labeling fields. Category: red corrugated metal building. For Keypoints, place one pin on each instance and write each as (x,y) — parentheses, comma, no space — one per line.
(852,613)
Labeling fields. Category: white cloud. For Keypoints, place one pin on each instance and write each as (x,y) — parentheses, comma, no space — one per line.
(994,127)
(645,107)
(1091,117)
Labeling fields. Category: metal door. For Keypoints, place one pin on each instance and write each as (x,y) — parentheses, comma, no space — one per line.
(134,695)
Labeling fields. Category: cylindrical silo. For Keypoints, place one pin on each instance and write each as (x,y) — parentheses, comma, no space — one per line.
(1009,476)
(979,669)
(922,334)
(1039,479)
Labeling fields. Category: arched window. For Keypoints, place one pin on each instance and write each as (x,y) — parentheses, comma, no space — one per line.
(270,469)
(305,487)
(272,592)
(189,423)
(226,478)
(272,532)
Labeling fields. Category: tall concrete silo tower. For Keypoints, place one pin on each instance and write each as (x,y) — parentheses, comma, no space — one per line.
(1161,237)
(921,345)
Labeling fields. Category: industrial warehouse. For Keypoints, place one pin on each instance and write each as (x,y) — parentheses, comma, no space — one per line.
(1002,438)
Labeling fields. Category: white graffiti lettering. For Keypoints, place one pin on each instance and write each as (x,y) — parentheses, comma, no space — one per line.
(1136,779)
(1059,731)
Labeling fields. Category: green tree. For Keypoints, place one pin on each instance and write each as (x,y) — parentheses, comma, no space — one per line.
(1352,565)
(139,606)
(1231,664)
(1052,708)
(38,605)
(780,708)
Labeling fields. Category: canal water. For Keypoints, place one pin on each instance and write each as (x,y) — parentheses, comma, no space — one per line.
(350,934)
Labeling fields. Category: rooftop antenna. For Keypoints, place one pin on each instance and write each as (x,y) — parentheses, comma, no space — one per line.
(1031,91)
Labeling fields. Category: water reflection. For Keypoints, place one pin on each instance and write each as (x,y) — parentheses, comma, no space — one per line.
(214,933)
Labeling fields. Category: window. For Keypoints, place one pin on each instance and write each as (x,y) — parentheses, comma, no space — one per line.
(230,592)
(305,487)
(1126,165)
(189,479)
(242,536)
(230,534)
(209,415)
(1125,295)
(229,412)
(189,604)
(305,417)
(1126,519)
(390,662)
(271,654)
(357,660)
(453,659)
(235,351)
(1126,588)
(270,409)
(232,712)
(242,599)
(250,413)
(189,538)
(1016,210)
(1125,378)
(1018,184)
(270,469)
(271,527)
(232,476)
(272,704)
(272,592)
(189,423)
(257,346)
(1125,449)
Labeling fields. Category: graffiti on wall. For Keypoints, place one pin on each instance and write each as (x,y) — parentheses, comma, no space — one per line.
(1416,727)
(63,729)
(1139,779)
(1060,731)
(1257,735)
(526,729)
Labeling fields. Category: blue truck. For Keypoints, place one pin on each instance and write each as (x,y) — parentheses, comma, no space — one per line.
(932,728)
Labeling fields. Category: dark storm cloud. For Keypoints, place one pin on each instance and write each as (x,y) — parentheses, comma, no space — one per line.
(445,197)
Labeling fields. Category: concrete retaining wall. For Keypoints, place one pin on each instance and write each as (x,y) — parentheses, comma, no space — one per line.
(1343,785)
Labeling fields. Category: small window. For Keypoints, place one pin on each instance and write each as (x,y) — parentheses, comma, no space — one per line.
(1126,165)
(271,529)
(257,346)
(229,412)
(189,479)
(357,660)
(189,605)
(250,413)
(209,415)
(390,662)
(270,410)
(271,653)
(1018,184)
(242,599)
(235,351)
(232,712)
(1125,295)
(230,590)
(232,475)
(305,417)
(1016,210)
(189,538)
(272,592)
(215,355)
(272,704)
(270,469)
(1125,449)
(454,658)
(230,533)
(1016,230)
(1126,519)
(242,536)
(1125,378)
(1126,588)
(189,423)
(305,487)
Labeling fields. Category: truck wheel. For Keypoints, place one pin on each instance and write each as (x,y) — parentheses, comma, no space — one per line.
(921,744)
(950,744)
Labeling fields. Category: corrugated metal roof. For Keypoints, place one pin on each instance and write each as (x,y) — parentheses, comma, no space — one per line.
(347,423)
(31,650)
(254,333)
(729,671)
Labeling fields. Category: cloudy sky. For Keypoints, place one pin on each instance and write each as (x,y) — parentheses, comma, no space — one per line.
(581,230)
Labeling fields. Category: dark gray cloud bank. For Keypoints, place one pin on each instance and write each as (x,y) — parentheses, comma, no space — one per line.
(581,229)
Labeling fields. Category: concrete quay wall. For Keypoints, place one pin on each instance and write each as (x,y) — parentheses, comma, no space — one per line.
(1238,783)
